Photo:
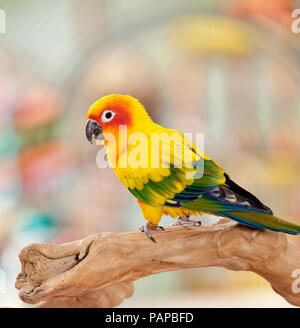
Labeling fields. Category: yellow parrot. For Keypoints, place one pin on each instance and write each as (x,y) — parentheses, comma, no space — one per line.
(167,173)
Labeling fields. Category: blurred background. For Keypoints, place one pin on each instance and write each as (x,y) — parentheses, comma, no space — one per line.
(229,69)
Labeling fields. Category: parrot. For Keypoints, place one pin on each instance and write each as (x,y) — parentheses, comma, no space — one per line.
(175,177)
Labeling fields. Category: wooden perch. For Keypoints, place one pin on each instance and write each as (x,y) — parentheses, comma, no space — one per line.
(98,271)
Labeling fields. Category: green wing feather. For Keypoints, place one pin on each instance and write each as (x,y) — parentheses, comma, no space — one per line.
(213,191)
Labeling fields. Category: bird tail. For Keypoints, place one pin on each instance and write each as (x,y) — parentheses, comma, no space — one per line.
(260,220)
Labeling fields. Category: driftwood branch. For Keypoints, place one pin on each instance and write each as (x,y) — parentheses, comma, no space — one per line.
(98,271)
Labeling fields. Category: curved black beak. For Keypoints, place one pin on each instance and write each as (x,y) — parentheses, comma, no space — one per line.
(93,131)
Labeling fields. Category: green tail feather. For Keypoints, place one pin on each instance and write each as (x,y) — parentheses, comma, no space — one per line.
(266,221)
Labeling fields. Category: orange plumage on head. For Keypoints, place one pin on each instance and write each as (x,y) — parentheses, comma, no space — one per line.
(129,111)
(115,112)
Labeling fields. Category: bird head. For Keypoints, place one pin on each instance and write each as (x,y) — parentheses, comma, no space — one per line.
(110,113)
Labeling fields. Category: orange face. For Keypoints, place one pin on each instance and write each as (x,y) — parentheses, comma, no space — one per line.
(111,116)
(107,114)
(111,113)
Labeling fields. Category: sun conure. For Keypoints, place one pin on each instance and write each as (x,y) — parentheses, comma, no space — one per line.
(167,173)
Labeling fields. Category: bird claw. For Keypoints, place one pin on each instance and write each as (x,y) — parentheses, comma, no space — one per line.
(147,231)
(184,220)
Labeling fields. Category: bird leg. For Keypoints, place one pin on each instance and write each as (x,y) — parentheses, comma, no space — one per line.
(185,220)
(147,230)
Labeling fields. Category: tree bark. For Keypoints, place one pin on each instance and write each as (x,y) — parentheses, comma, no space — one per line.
(98,271)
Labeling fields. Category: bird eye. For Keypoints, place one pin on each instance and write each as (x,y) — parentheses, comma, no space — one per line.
(107,116)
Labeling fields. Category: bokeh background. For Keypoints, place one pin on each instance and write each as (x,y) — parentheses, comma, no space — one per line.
(229,69)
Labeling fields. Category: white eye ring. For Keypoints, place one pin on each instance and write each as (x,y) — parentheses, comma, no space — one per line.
(107,116)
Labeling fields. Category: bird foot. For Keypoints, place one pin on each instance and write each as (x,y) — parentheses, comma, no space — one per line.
(185,220)
(147,230)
